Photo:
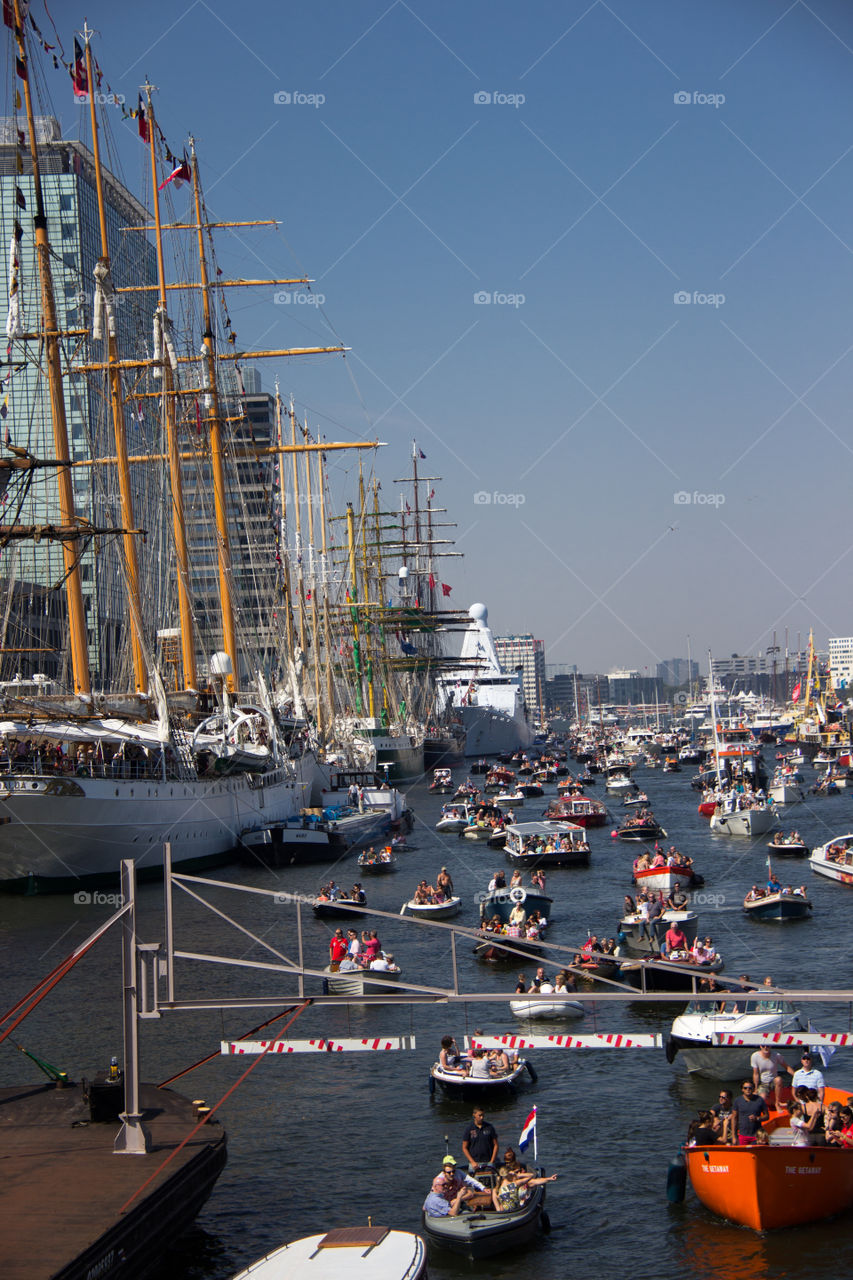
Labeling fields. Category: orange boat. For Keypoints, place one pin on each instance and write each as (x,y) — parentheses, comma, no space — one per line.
(778,1185)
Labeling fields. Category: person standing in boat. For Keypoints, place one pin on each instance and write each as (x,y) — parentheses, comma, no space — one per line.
(479,1141)
(767,1072)
(337,947)
(443,883)
(808,1076)
(750,1112)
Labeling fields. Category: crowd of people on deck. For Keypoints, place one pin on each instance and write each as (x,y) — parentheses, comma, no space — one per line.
(434,895)
(501,1188)
(648,859)
(349,953)
(801,1117)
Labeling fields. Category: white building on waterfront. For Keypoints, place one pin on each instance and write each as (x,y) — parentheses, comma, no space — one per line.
(841,662)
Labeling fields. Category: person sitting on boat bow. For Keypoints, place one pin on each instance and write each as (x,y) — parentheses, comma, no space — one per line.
(450,1059)
(513,1190)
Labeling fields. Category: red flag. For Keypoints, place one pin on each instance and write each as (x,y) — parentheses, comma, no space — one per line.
(796,691)
(431,582)
(9,14)
(179,175)
(142,121)
(79,77)
(446,589)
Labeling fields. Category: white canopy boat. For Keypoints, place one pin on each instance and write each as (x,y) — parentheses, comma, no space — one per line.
(834,859)
(360,1253)
(693,1032)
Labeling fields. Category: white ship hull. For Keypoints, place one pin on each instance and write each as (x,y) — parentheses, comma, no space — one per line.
(492,730)
(57,832)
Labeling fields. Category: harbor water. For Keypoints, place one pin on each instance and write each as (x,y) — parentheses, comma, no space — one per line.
(324,1140)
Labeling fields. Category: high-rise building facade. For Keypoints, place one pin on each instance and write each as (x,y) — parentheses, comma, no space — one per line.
(841,662)
(529,654)
(34,572)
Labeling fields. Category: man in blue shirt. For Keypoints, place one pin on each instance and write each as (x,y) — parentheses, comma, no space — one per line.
(808,1075)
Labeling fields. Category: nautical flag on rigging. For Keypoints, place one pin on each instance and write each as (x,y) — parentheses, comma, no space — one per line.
(179,175)
(796,691)
(79,76)
(529,1131)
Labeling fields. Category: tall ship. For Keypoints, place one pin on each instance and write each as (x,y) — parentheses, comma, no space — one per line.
(488,702)
(150,687)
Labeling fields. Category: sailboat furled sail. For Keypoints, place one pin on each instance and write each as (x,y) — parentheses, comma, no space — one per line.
(134,636)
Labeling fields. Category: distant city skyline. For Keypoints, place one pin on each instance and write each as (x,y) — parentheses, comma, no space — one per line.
(596,258)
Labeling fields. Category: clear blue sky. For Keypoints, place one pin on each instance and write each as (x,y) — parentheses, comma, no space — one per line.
(583,409)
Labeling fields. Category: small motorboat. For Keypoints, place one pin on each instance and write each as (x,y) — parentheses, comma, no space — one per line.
(333,908)
(466,791)
(531,790)
(739,815)
(360,1253)
(787,904)
(379,862)
(789,846)
(510,799)
(708,1038)
(360,982)
(639,799)
(442,781)
(834,859)
(484,1233)
(432,910)
(455,817)
(459,1086)
(664,877)
(668,973)
(643,827)
(580,810)
(542,1007)
(480,766)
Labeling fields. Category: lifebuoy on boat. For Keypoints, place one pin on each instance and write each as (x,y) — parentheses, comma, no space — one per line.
(517,894)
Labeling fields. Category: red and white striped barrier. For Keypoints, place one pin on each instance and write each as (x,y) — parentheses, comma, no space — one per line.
(782,1038)
(230,1048)
(612,1041)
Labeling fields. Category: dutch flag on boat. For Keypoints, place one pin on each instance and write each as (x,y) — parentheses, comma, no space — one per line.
(529,1131)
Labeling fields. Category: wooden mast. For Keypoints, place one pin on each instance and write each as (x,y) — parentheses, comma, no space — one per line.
(300,578)
(282,537)
(73,589)
(324,583)
(178,524)
(312,578)
(223,548)
(140,669)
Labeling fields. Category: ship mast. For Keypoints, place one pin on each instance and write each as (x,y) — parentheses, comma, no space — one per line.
(223,548)
(180,533)
(140,670)
(73,589)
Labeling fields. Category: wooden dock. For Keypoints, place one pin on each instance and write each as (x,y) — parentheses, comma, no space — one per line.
(63,1188)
